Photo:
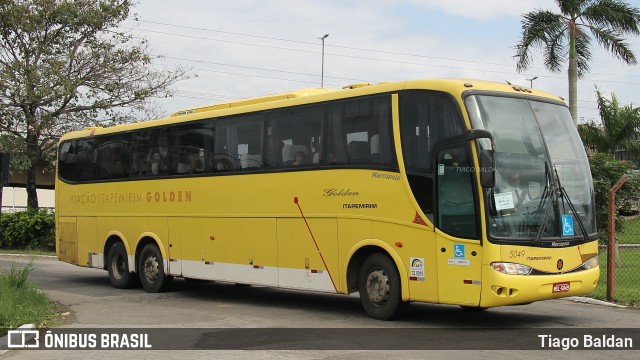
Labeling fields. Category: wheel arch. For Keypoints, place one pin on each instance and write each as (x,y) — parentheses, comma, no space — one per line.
(112,238)
(359,252)
(151,238)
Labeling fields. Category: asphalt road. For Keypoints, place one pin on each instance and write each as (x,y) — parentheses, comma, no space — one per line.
(231,313)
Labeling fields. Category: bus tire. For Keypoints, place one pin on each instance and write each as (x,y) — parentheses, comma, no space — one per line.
(380,288)
(151,270)
(118,267)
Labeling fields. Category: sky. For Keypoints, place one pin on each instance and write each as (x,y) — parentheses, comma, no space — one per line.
(243,48)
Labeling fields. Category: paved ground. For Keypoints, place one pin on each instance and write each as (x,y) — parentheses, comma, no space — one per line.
(93,303)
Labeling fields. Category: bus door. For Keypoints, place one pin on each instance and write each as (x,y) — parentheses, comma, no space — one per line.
(457,228)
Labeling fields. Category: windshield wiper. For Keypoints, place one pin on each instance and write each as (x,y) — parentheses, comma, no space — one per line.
(564,195)
(553,189)
(549,190)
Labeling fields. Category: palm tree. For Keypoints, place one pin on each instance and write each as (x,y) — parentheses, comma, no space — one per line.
(565,37)
(618,129)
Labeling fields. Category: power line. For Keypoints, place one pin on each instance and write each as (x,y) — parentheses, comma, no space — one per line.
(259,68)
(314,43)
(374,59)
(334,46)
(256,76)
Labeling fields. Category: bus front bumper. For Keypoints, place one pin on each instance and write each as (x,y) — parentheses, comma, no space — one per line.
(501,289)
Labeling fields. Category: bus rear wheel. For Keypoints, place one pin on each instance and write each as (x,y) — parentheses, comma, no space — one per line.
(118,267)
(379,288)
(151,269)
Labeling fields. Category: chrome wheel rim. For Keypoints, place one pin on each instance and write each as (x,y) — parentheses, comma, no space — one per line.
(378,288)
(150,268)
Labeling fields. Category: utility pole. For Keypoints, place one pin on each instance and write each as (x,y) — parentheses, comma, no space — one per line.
(322,71)
(531,81)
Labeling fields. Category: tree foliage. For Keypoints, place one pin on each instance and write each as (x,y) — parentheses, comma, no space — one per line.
(617,129)
(606,171)
(64,65)
(28,230)
(564,37)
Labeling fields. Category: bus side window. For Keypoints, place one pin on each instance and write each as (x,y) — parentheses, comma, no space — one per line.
(191,146)
(293,137)
(426,117)
(113,157)
(456,200)
(68,160)
(242,137)
(360,132)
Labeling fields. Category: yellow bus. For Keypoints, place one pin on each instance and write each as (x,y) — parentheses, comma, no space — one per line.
(458,192)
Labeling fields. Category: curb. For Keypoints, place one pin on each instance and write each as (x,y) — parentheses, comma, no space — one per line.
(29,255)
(4,341)
(587,300)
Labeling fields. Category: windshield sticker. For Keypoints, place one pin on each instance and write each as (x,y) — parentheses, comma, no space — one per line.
(503,201)
(441,169)
(567,225)
(534,190)
(417,269)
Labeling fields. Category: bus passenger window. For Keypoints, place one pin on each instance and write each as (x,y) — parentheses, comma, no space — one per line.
(113,157)
(360,132)
(191,145)
(293,137)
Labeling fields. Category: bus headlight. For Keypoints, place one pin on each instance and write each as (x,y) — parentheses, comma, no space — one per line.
(591,263)
(511,268)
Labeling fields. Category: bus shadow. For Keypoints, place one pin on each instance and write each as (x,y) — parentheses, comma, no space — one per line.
(348,307)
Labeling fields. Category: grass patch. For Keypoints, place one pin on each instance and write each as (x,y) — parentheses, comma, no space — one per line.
(631,232)
(627,278)
(21,303)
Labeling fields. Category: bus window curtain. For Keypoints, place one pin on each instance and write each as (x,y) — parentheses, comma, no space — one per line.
(424,136)
(232,144)
(337,134)
(274,145)
(382,115)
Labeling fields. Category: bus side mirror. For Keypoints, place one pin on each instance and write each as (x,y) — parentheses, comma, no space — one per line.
(487,158)
(487,169)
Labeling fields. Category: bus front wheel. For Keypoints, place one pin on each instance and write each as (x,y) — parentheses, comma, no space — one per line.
(379,288)
(118,267)
(151,269)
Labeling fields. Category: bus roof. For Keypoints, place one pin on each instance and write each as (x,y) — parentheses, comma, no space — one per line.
(311,95)
(253,101)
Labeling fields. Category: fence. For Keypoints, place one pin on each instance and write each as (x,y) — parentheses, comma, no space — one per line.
(621,262)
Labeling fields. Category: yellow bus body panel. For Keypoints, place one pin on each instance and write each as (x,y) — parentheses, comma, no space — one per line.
(301,229)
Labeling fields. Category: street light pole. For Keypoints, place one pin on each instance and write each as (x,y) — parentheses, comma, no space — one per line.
(322,71)
(531,81)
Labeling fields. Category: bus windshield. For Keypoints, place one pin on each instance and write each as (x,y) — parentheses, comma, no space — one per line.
(543,184)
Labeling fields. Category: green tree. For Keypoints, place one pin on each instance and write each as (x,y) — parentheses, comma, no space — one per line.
(565,37)
(606,171)
(618,129)
(65,66)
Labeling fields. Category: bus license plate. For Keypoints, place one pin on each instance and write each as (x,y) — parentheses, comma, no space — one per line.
(561,287)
